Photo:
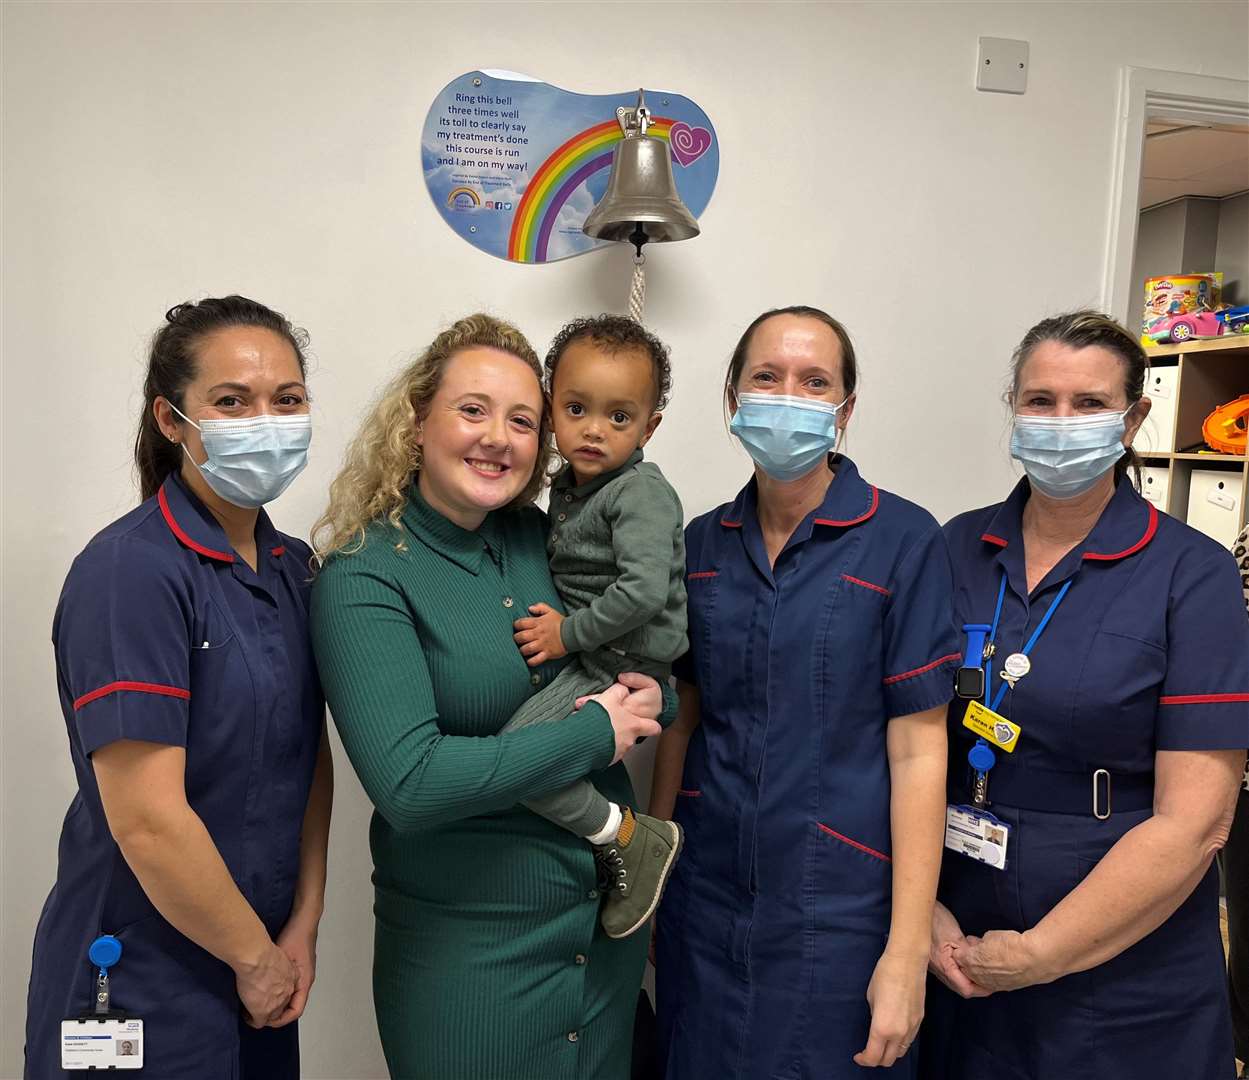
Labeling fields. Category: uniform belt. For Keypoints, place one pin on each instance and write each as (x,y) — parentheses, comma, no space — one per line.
(1095,792)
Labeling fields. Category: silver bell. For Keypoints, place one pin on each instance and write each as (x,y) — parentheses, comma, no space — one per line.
(641,203)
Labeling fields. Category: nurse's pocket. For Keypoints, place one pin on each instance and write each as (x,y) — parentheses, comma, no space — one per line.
(219,675)
(851,882)
(160,969)
(702,589)
(1116,705)
(210,629)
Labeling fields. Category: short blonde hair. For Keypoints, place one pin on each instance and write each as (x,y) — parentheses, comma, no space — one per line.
(383,459)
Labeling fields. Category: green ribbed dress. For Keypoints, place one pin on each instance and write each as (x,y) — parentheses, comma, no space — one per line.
(489,962)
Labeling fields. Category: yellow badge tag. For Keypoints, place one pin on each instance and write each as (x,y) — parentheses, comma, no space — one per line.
(991,727)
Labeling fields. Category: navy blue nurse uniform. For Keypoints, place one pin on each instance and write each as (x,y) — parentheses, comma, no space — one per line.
(779,909)
(163,634)
(1148,651)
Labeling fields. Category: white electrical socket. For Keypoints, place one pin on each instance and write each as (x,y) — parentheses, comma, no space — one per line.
(1002,65)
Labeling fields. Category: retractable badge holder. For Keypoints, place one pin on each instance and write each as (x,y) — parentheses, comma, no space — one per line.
(981,758)
(104,953)
(103,1038)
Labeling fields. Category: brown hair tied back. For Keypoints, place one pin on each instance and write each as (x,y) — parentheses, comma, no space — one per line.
(171,366)
(1082,330)
(849,364)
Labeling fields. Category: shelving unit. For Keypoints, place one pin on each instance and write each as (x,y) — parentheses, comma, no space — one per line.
(1187,382)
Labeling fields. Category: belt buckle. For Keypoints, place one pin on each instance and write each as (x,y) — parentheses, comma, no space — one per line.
(1098,773)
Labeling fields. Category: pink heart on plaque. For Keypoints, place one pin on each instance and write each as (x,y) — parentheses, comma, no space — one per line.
(688,144)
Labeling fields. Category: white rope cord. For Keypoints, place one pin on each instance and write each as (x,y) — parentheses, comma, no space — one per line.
(637,289)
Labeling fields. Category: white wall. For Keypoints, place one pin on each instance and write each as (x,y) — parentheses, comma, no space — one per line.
(154,152)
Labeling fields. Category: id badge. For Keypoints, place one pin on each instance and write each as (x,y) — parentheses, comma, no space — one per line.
(977,834)
(102,1043)
(991,727)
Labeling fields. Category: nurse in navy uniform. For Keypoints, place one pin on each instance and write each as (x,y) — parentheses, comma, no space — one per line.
(195,723)
(1096,938)
(807,763)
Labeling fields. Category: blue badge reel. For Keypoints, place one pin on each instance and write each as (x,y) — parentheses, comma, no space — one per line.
(103,1038)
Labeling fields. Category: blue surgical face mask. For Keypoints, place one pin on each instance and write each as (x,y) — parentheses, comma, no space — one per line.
(785,436)
(1064,456)
(252,459)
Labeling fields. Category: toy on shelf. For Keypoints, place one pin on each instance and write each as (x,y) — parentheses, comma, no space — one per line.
(1224,429)
(1174,305)
(1178,328)
(1235,320)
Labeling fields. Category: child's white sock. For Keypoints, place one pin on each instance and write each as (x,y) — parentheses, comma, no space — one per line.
(609,831)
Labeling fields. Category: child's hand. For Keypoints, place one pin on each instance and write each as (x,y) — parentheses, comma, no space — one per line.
(539,637)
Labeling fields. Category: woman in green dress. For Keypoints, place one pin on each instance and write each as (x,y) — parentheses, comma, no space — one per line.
(489,963)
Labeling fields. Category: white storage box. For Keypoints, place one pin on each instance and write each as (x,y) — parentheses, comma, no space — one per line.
(1156,485)
(1157,434)
(1214,504)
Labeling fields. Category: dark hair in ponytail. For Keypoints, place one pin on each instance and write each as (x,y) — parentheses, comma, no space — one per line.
(172,365)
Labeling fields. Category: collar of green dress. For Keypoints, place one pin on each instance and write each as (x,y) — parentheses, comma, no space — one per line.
(565,481)
(464,547)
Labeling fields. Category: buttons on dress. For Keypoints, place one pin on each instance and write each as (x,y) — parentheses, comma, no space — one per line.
(572,1036)
(536,679)
(567,498)
(508,601)
(580,959)
(562,517)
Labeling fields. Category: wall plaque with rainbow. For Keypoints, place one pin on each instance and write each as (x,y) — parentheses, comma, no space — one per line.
(514,165)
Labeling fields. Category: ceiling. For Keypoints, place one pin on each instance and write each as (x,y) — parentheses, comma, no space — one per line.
(1183,159)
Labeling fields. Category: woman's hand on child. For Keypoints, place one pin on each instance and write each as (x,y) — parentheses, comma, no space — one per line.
(632,703)
(539,636)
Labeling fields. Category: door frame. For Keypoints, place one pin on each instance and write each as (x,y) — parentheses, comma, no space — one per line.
(1147,94)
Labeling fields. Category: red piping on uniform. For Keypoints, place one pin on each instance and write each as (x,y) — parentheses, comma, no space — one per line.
(920,670)
(1201,699)
(138,687)
(731,524)
(867,584)
(1150,529)
(990,538)
(279,550)
(855,844)
(862,517)
(177,530)
(691,794)
(702,574)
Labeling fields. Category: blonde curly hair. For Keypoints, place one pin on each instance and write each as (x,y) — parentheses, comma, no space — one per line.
(383,459)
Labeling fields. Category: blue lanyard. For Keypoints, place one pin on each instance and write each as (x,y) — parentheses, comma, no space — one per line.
(981,756)
(997,615)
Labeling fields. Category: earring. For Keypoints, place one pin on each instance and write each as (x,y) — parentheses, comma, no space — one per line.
(417,458)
